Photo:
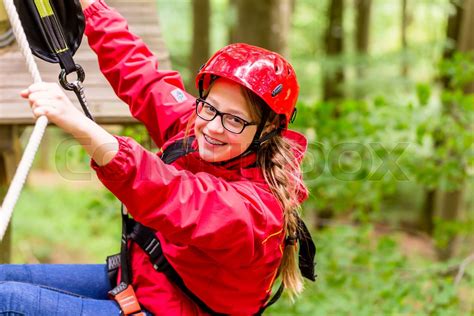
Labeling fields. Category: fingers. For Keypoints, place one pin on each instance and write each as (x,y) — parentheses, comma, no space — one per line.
(43,93)
(50,100)
(41,86)
(42,106)
(25,93)
(40,111)
(42,97)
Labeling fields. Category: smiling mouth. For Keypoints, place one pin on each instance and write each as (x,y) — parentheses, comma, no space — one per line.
(213,141)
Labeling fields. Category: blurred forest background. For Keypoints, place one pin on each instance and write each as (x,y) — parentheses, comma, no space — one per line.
(387,100)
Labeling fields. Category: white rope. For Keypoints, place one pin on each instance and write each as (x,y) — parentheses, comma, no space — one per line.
(13,193)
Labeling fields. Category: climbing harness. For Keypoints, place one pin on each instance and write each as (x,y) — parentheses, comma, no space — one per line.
(146,239)
(52,41)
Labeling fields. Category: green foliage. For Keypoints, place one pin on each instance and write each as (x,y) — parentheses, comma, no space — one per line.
(57,224)
(138,133)
(363,273)
(69,156)
(356,152)
(362,151)
(445,230)
(447,130)
(459,69)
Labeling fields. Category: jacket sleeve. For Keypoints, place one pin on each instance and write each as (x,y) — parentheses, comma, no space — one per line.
(156,98)
(188,209)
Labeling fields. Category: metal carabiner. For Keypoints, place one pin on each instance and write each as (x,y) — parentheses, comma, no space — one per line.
(81,75)
(78,89)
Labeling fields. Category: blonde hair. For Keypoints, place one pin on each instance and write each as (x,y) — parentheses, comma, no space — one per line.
(282,171)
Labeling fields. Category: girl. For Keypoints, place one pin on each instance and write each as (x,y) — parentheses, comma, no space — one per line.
(214,214)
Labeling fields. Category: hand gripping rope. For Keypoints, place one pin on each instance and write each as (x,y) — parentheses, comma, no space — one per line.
(58,47)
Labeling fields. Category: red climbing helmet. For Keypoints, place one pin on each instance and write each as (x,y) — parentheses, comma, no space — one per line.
(265,73)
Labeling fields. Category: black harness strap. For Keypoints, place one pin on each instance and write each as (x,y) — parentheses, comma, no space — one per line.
(272,301)
(126,274)
(145,237)
(178,149)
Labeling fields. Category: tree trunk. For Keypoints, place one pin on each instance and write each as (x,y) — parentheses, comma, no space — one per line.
(264,23)
(404,13)
(334,45)
(363,10)
(466,37)
(425,222)
(452,35)
(201,38)
(458,28)
(44,155)
(453,32)
(232,25)
(451,203)
(9,158)
(362,36)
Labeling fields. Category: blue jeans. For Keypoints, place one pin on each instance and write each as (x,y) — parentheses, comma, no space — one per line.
(55,289)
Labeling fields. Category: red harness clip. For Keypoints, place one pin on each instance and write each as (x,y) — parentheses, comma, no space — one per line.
(125,296)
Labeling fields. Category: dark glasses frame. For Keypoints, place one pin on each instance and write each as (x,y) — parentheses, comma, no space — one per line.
(222,114)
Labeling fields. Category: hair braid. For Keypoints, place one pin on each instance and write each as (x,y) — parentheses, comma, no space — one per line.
(280,169)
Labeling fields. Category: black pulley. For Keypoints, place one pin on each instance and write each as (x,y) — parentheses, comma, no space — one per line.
(54,29)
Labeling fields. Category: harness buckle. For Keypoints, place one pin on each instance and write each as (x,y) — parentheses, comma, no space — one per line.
(126,298)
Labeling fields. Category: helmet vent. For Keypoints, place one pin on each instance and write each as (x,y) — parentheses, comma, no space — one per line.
(277,90)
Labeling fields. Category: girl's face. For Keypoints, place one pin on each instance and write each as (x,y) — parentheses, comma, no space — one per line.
(215,142)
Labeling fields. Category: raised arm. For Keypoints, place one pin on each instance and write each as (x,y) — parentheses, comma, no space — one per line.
(156,98)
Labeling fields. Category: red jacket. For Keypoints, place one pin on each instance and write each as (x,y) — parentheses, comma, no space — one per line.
(220,226)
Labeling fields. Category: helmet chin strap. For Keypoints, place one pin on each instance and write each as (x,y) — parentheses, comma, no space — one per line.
(201,85)
(257,139)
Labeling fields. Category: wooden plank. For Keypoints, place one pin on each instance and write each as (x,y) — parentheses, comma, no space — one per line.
(104,112)
(6,246)
(104,104)
(85,59)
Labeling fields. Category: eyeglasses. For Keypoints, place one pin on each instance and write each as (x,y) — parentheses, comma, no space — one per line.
(232,123)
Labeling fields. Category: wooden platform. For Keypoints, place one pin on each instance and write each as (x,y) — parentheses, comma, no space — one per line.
(143,20)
